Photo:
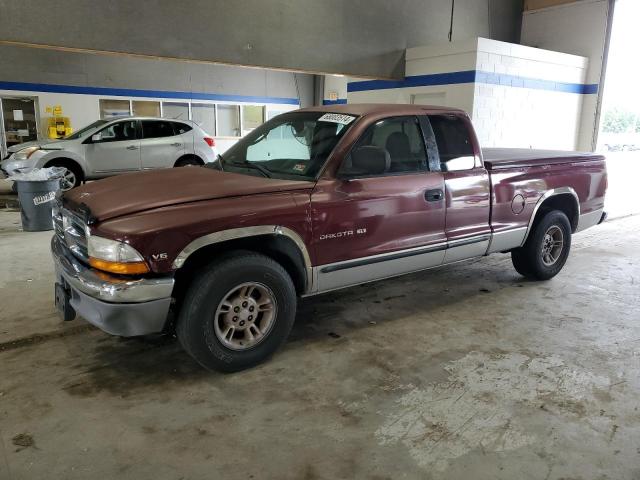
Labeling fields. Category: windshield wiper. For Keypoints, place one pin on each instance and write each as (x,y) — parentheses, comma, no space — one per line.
(255,166)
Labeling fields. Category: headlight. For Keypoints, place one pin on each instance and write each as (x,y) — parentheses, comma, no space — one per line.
(115,257)
(25,153)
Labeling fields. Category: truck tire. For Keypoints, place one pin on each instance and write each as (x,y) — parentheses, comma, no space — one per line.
(237,311)
(546,250)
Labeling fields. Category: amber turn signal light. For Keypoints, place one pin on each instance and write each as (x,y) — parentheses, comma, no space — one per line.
(130,268)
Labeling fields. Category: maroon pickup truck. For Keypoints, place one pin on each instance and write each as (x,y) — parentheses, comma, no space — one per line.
(312,201)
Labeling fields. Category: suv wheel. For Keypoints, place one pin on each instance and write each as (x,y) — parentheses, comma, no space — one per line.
(72,176)
(69,180)
(547,248)
(237,312)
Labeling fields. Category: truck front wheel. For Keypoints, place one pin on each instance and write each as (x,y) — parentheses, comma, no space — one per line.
(237,312)
(546,250)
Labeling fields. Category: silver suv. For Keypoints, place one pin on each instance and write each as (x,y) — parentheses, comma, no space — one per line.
(111,147)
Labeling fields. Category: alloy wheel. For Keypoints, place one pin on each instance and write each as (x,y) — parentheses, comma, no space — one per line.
(552,245)
(68,180)
(245,316)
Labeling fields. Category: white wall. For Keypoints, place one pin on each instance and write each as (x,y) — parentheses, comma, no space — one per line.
(513,116)
(578,28)
(445,58)
(516,95)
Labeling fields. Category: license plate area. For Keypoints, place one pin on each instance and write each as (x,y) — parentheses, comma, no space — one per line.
(63,304)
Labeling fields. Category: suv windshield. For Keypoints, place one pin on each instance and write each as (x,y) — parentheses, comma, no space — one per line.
(82,131)
(291,146)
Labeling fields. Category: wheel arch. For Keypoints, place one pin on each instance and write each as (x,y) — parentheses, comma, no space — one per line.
(68,161)
(279,243)
(564,199)
(188,156)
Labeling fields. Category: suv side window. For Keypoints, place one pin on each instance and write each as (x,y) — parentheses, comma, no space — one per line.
(118,132)
(402,138)
(157,129)
(180,128)
(454,143)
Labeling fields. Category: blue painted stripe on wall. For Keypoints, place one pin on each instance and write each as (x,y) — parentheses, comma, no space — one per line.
(451,78)
(535,83)
(471,76)
(339,101)
(132,92)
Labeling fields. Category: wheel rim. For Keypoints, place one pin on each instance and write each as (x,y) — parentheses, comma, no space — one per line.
(245,316)
(552,245)
(68,180)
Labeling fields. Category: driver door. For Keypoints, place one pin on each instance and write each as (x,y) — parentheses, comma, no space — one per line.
(114,149)
(379,225)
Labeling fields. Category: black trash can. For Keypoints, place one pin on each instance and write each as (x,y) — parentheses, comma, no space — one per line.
(36,201)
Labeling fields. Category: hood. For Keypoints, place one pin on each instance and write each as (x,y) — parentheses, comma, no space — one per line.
(52,144)
(136,192)
(20,146)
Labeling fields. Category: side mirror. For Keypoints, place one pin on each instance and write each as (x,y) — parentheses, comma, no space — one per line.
(96,137)
(366,161)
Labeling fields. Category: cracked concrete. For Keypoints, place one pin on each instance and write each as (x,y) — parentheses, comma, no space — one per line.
(461,372)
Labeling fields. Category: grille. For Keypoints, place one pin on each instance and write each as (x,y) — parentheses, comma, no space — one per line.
(72,230)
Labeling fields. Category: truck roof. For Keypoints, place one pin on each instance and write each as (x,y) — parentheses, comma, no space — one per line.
(381,108)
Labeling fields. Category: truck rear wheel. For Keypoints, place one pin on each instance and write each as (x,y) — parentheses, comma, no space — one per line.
(546,250)
(237,312)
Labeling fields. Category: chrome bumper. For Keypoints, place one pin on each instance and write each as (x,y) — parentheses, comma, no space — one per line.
(120,306)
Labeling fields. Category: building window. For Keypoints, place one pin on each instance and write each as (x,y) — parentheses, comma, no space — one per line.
(252,117)
(204,115)
(228,120)
(175,110)
(144,108)
(114,108)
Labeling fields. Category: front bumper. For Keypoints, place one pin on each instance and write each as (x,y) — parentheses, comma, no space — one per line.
(11,167)
(117,305)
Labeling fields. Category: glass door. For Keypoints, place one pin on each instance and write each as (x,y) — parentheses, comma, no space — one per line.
(19,121)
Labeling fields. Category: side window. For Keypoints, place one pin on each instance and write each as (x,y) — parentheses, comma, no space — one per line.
(156,129)
(399,138)
(454,143)
(118,132)
(180,128)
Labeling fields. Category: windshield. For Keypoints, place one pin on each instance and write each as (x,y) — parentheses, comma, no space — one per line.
(291,146)
(82,131)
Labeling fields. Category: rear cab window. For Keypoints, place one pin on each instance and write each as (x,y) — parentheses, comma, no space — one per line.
(453,141)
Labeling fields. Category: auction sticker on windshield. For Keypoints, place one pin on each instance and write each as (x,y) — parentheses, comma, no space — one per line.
(337,118)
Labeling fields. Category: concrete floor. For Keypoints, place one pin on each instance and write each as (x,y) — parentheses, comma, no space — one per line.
(460,372)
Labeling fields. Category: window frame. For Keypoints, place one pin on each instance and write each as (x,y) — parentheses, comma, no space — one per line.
(201,104)
(142,137)
(137,129)
(238,108)
(175,124)
(113,117)
(472,142)
(426,165)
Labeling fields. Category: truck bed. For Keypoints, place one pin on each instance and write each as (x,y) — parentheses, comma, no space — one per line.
(501,158)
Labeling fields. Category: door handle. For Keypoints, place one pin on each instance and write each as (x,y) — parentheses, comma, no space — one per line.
(433,195)
(177,144)
(132,147)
